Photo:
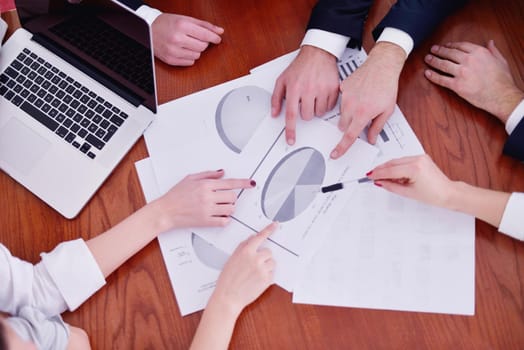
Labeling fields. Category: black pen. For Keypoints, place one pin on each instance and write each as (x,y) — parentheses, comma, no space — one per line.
(340,185)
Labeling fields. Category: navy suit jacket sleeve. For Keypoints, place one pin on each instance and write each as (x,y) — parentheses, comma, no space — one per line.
(514,146)
(132,4)
(345,17)
(418,18)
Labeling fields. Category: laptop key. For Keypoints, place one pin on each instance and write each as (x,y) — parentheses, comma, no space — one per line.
(117,120)
(17,100)
(41,117)
(9,95)
(95,141)
(91,155)
(11,72)
(85,147)
(70,137)
(76,144)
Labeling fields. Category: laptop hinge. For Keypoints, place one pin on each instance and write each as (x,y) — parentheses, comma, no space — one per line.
(94,73)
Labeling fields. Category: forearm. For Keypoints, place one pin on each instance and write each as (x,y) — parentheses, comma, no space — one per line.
(487,205)
(216,326)
(112,248)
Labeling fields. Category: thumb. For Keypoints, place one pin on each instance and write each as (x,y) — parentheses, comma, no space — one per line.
(495,51)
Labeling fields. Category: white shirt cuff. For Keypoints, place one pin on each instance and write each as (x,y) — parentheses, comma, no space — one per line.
(74,271)
(149,14)
(333,43)
(512,223)
(515,117)
(398,37)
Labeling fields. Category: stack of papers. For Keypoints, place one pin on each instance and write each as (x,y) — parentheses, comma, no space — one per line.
(359,247)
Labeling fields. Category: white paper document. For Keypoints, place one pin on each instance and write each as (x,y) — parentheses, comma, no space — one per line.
(358,247)
(193,265)
(229,126)
(384,251)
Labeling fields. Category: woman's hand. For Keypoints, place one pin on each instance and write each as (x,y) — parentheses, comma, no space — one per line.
(414,177)
(203,199)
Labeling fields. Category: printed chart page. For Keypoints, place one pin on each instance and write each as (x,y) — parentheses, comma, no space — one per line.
(384,251)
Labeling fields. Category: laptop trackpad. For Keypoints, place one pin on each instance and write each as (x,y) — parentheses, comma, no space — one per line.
(20,146)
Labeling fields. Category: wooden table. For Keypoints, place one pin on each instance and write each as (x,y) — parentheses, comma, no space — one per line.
(137,309)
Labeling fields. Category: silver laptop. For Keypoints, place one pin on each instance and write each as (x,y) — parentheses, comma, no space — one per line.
(77,90)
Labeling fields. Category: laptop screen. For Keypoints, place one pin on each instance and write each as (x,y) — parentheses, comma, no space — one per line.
(102,39)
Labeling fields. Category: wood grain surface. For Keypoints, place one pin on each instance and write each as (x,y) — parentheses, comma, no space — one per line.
(137,308)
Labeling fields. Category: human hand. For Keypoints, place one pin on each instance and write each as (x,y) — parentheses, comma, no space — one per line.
(179,40)
(416,177)
(309,84)
(480,75)
(246,274)
(203,199)
(369,94)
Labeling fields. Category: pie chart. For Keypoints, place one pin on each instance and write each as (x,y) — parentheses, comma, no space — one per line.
(293,184)
(239,113)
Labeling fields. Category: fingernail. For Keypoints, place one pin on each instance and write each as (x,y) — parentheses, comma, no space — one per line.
(434,48)
(377,184)
(369,173)
(429,58)
(290,141)
(253,183)
(219,170)
(427,72)
(334,154)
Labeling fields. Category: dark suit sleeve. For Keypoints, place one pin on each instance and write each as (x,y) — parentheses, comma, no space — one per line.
(514,146)
(418,18)
(132,4)
(345,17)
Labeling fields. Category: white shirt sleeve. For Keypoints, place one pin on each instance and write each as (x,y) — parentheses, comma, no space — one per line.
(398,37)
(515,117)
(333,43)
(75,272)
(149,14)
(63,279)
(512,222)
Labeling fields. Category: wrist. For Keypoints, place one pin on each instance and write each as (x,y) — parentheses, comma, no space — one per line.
(389,54)
(317,53)
(455,194)
(221,305)
(162,221)
(508,103)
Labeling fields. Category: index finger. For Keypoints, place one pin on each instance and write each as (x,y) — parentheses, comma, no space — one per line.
(350,136)
(292,100)
(462,45)
(394,172)
(232,184)
(256,240)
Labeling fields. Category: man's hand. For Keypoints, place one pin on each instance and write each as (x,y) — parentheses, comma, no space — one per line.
(309,85)
(478,74)
(369,94)
(179,40)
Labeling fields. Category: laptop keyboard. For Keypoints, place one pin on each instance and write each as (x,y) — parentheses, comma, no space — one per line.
(78,115)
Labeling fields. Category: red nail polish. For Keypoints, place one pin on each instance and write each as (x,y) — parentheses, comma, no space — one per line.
(377,184)
(369,173)
(253,183)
